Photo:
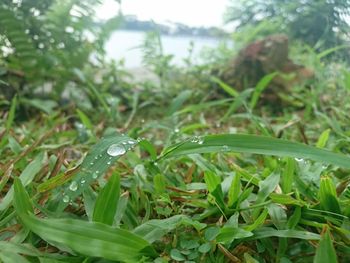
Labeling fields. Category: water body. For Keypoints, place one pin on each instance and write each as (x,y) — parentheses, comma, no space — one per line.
(125,45)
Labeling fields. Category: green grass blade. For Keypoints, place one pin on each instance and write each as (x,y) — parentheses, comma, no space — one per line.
(87,238)
(328,195)
(107,201)
(96,163)
(260,87)
(26,177)
(271,232)
(231,91)
(325,251)
(11,115)
(256,145)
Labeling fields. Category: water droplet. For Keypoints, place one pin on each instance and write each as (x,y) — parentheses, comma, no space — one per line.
(116,150)
(225,148)
(91,163)
(177,130)
(110,158)
(73,186)
(124,143)
(66,199)
(131,142)
(299,159)
(143,121)
(82,181)
(109,163)
(95,174)
(200,140)
(195,139)
(155,163)
(100,155)
(96,157)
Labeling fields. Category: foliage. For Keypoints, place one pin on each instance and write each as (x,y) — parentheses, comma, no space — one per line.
(176,177)
(317,23)
(47,49)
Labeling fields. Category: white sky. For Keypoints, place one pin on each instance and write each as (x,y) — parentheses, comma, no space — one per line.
(189,12)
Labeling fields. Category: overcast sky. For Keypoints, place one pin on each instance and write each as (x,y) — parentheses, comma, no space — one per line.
(189,12)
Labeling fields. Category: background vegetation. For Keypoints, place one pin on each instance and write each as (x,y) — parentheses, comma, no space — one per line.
(96,167)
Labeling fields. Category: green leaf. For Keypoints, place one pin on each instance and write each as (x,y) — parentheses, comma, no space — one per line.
(257,222)
(234,190)
(101,156)
(323,139)
(84,119)
(107,201)
(288,176)
(211,233)
(262,84)
(155,229)
(229,234)
(213,183)
(26,178)
(257,145)
(328,195)
(231,91)
(265,232)
(11,115)
(87,238)
(267,186)
(176,255)
(325,251)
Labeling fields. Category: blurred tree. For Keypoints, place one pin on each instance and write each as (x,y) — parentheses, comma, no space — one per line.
(319,23)
(51,43)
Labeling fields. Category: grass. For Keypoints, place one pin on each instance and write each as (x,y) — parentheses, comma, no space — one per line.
(191,180)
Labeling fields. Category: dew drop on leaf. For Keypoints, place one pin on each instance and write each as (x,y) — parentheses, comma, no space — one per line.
(73,186)
(116,150)
(66,199)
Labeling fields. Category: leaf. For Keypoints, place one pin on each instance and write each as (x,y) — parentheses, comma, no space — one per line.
(26,177)
(325,251)
(84,119)
(213,183)
(328,195)
(234,190)
(96,163)
(257,145)
(322,140)
(46,106)
(288,176)
(231,91)
(177,103)
(11,115)
(155,229)
(262,84)
(267,186)
(87,238)
(107,201)
(265,232)
(229,234)
(257,222)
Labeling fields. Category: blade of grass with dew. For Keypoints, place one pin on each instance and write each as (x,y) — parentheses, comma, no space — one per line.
(87,238)
(107,201)
(102,156)
(256,145)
